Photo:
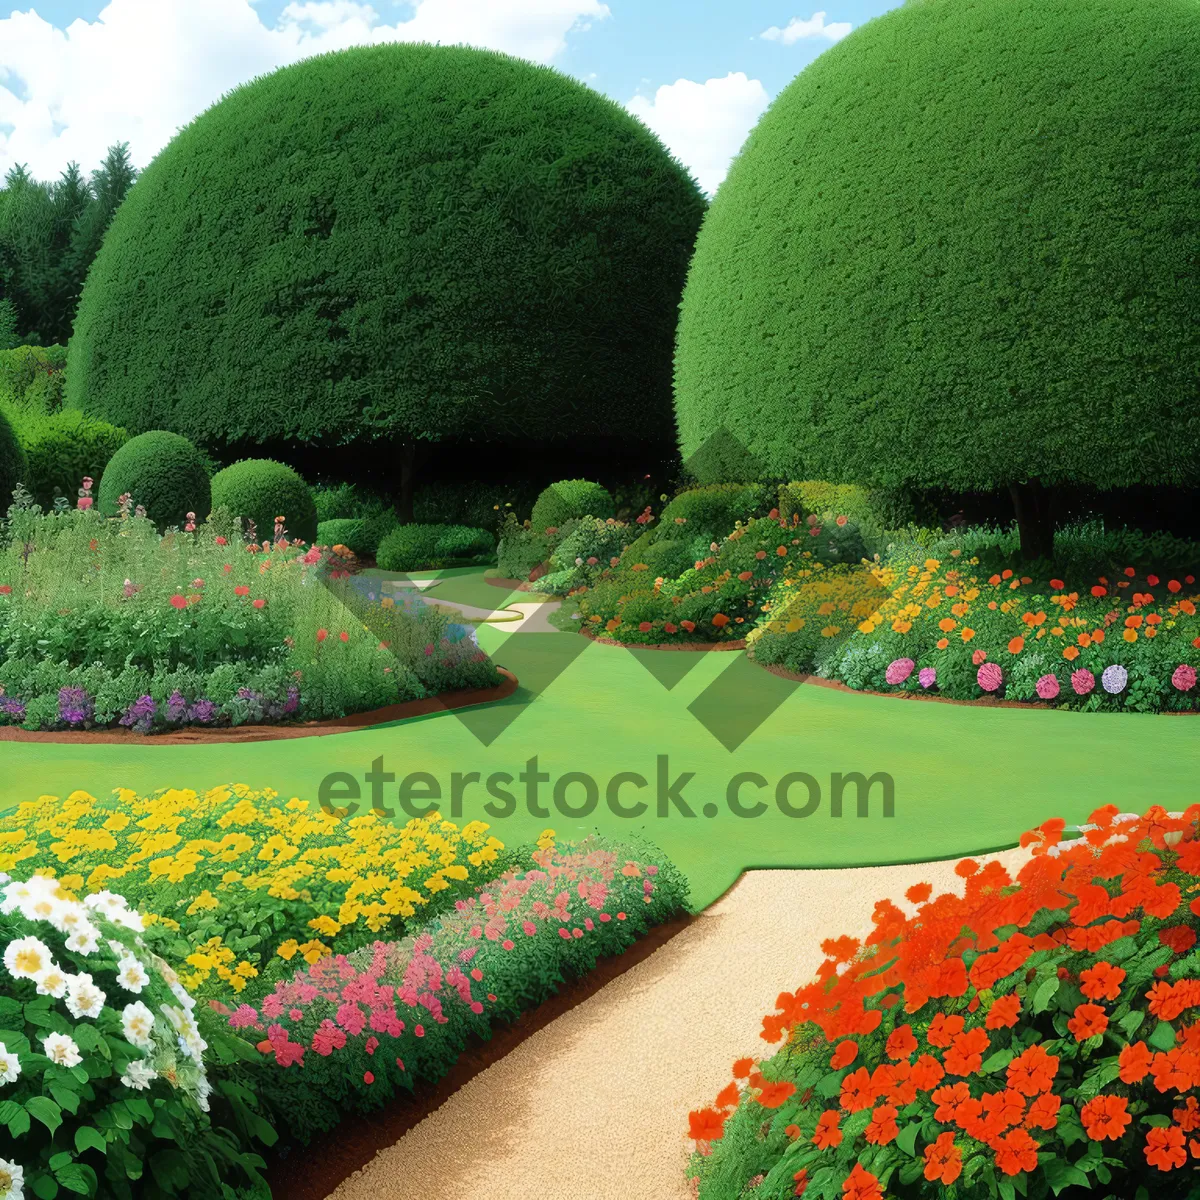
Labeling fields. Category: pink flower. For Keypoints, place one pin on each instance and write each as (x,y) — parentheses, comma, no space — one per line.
(990,677)
(85,502)
(372,1045)
(1047,687)
(928,677)
(1184,677)
(328,1038)
(178,601)
(899,670)
(1083,681)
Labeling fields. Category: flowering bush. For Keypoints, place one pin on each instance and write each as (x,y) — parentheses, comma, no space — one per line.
(102,1065)
(1027,1036)
(105,623)
(352,1030)
(236,886)
(1115,641)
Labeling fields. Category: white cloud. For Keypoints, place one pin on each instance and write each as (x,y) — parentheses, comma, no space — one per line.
(144,68)
(704,124)
(814,27)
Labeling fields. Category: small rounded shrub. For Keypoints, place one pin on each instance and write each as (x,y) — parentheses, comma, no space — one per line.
(713,511)
(417,547)
(343,531)
(13,465)
(259,490)
(63,448)
(568,500)
(161,471)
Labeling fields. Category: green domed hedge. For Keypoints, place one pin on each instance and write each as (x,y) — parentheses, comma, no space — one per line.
(568,500)
(260,489)
(12,463)
(162,472)
(64,448)
(404,240)
(959,250)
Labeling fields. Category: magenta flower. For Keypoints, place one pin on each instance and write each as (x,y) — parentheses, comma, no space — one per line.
(927,677)
(990,677)
(1047,687)
(1184,677)
(1083,681)
(899,670)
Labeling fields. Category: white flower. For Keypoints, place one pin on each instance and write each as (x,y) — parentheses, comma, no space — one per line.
(10,1065)
(61,1049)
(131,975)
(139,1075)
(85,940)
(180,994)
(137,1023)
(12,1180)
(17,895)
(84,999)
(53,981)
(27,957)
(203,1091)
(106,902)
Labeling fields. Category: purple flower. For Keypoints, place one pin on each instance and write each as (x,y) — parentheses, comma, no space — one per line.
(203,712)
(139,716)
(177,707)
(1083,681)
(293,700)
(1047,687)
(927,677)
(12,707)
(74,705)
(1114,679)
(899,670)
(989,677)
(1184,677)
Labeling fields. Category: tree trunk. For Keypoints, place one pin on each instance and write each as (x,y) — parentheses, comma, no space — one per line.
(1034,505)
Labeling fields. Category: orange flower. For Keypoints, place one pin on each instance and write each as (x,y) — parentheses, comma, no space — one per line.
(707,1125)
(1016,645)
(857,1092)
(943,1160)
(1089,1021)
(1134,1062)
(1105,1117)
(792,1131)
(1057,584)
(967,634)
(943,1030)
(742,1068)
(1043,1112)
(727,1097)
(720,620)
(1102,981)
(772,1095)
(946,624)
(919,893)
(883,1127)
(1071,653)
(1134,622)
(827,1135)
(861,1185)
(948,1099)
(1164,1148)
(965,1056)
(942,643)
(1003,1013)
(844,1054)
(1032,1071)
(927,1073)
(1016,1151)
(1188,1117)
(901,1043)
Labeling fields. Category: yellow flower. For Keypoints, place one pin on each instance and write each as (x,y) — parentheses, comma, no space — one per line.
(204,902)
(288,950)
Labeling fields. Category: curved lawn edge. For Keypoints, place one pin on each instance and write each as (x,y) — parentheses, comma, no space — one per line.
(192,736)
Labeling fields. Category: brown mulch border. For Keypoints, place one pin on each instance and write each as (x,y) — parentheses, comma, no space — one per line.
(271,733)
(314,1172)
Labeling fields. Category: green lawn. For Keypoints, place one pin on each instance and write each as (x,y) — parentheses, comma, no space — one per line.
(966,779)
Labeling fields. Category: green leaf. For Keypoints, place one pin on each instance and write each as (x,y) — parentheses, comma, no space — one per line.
(1163,1037)
(78,1178)
(88,1138)
(1045,994)
(42,1108)
(60,1160)
(10,1009)
(65,1096)
(1004,1186)
(997,1061)
(170,1170)
(907,1138)
(44,1187)
(1061,1174)
(830,1085)
(18,1123)
(1131,1021)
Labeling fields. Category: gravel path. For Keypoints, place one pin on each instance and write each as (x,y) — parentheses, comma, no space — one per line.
(594,1106)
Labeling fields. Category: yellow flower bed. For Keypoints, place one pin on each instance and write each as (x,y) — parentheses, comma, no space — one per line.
(244,879)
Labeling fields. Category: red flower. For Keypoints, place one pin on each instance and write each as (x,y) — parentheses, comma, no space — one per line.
(178,601)
(772,1095)
(1088,1021)
(1164,1148)
(927,1073)
(241,590)
(727,1097)
(344,636)
(742,1068)
(827,1135)
(1032,1071)
(322,634)
(1134,1061)
(1105,1117)
(943,1030)
(1043,1112)
(707,1125)
(883,1127)
(965,1056)
(1102,982)
(1181,938)
(943,1160)
(857,1092)
(1004,1012)
(1016,1151)
(861,1185)
(844,1054)
(260,603)
(901,1043)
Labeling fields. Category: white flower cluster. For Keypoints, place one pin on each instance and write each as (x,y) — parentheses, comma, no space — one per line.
(173,1031)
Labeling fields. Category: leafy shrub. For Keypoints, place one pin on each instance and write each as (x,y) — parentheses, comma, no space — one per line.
(568,500)
(418,547)
(344,531)
(251,884)
(100,1046)
(261,490)
(13,464)
(100,626)
(711,512)
(523,548)
(32,377)
(163,473)
(397,1014)
(64,448)
(592,547)
(1028,1035)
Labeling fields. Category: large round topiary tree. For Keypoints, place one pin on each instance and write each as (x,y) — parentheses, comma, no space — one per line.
(403,243)
(960,251)
(261,490)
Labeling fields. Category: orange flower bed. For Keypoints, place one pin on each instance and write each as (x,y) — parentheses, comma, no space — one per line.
(1030,1035)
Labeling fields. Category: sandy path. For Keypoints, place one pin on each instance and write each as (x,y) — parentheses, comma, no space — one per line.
(594,1106)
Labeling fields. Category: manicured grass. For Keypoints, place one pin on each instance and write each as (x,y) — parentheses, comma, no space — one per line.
(967,779)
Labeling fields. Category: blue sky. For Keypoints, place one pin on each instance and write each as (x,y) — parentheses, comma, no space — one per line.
(76,75)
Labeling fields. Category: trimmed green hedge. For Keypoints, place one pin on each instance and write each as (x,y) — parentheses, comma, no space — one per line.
(421,547)
(959,251)
(568,500)
(161,471)
(461,242)
(64,448)
(13,466)
(261,489)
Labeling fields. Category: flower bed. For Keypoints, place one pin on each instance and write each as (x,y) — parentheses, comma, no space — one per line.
(351,1031)
(1027,1036)
(107,624)
(103,1078)
(237,886)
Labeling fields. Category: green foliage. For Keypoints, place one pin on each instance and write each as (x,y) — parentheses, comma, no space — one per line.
(32,377)
(162,472)
(345,531)
(714,510)
(973,271)
(64,448)
(523,549)
(517,275)
(260,490)
(13,464)
(591,548)
(421,547)
(568,500)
